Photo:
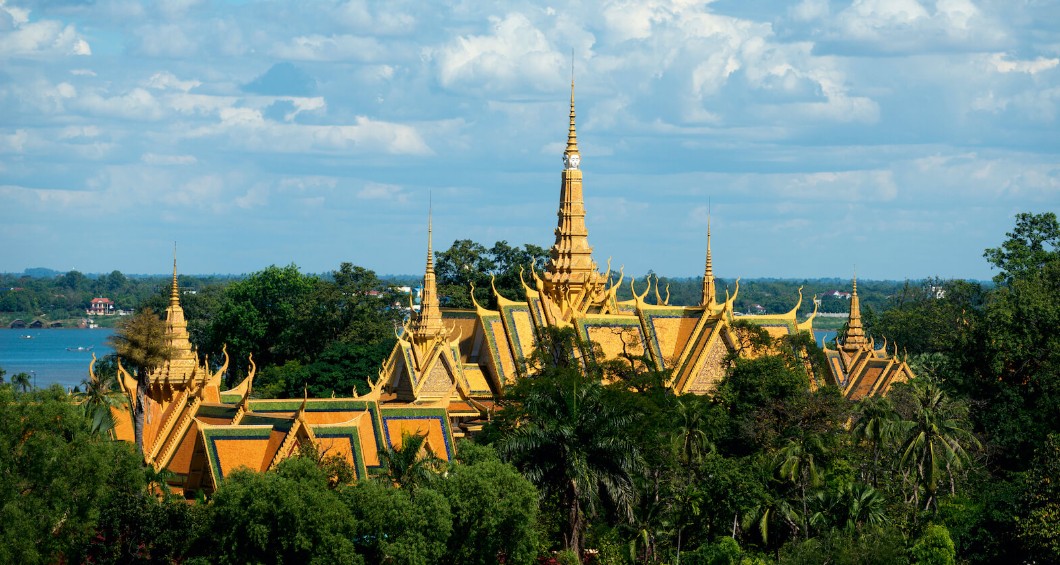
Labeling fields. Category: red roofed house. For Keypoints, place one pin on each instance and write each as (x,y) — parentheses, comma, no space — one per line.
(101,307)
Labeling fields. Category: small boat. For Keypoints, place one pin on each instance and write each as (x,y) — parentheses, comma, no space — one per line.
(80,348)
(25,337)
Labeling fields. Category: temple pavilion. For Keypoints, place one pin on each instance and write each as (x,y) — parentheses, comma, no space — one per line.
(200,433)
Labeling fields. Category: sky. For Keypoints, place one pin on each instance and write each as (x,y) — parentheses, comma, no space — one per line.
(895,137)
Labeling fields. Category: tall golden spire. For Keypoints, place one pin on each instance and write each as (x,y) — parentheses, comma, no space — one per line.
(710,292)
(429,322)
(174,295)
(570,266)
(572,133)
(855,332)
(183,361)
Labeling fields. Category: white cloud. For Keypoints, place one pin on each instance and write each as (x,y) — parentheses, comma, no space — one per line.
(381,191)
(907,26)
(166,80)
(156,159)
(515,57)
(999,62)
(136,104)
(331,48)
(25,38)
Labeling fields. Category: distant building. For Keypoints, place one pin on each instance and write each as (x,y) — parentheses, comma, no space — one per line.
(100,307)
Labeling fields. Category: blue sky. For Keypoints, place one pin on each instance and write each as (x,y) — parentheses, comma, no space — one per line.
(897,136)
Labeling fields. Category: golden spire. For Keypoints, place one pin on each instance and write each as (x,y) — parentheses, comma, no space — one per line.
(174,295)
(570,266)
(181,366)
(855,332)
(710,292)
(572,133)
(429,322)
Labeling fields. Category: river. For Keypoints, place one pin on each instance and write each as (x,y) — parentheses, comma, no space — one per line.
(52,355)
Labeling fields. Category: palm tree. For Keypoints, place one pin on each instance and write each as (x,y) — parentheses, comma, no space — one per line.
(690,437)
(934,437)
(851,506)
(765,516)
(21,381)
(410,466)
(571,442)
(141,342)
(797,464)
(876,425)
(100,396)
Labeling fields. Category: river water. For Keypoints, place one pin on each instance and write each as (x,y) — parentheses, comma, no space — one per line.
(56,355)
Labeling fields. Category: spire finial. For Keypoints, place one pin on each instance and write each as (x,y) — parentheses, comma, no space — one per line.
(709,288)
(571,157)
(855,337)
(174,295)
(430,232)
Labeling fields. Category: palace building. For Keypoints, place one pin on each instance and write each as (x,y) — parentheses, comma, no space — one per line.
(469,356)
(450,367)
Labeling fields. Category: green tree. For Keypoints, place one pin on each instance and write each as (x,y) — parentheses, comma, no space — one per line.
(1039,527)
(22,381)
(1034,243)
(288,515)
(935,436)
(101,395)
(141,341)
(395,527)
(137,527)
(494,510)
(257,314)
(876,425)
(411,466)
(569,438)
(935,547)
(55,473)
(691,436)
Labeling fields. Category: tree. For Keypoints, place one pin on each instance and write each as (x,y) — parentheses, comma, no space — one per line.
(691,436)
(1031,245)
(935,547)
(1039,528)
(564,433)
(876,425)
(494,509)
(257,315)
(410,466)
(101,395)
(22,381)
(141,341)
(56,472)
(392,526)
(287,515)
(934,436)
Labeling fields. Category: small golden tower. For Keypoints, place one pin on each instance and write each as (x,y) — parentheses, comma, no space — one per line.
(855,338)
(428,325)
